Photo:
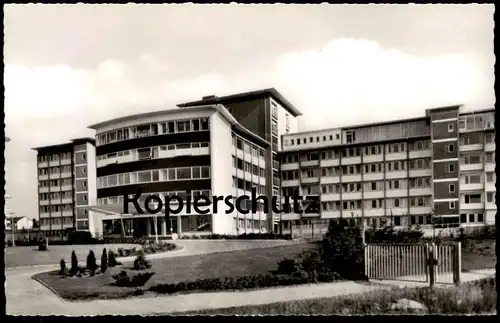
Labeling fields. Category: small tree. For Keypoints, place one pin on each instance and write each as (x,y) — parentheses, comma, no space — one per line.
(74,263)
(112,259)
(62,270)
(91,261)
(342,250)
(104,260)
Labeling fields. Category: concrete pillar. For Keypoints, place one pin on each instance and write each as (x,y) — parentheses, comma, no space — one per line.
(164,226)
(179,225)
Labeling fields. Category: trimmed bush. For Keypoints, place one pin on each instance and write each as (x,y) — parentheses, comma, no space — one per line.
(62,270)
(104,261)
(91,262)
(112,262)
(74,264)
(140,262)
(123,280)
(390,235)
(42,245)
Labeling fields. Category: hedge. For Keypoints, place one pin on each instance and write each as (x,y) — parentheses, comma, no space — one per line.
(245,236)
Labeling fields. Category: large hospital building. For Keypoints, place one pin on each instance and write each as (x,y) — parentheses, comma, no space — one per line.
(439,166)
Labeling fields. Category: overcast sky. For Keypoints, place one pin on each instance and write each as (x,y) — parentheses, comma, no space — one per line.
(68,66)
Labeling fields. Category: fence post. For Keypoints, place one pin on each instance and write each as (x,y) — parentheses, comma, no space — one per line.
(457,262)
(430,263)
(366,260)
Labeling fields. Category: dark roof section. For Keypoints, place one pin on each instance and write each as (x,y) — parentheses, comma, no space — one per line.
(64,147)
(234,98)
(442,109)
(384,123)
(477,112)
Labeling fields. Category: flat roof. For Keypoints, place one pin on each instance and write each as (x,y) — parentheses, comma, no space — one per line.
(233,98)
(216,107)
(66,144)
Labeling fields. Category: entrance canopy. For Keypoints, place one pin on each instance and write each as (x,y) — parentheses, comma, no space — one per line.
(115,211)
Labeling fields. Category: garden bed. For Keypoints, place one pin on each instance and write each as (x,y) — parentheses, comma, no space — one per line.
(240,263)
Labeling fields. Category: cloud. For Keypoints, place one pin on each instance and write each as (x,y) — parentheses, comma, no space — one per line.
(348,81)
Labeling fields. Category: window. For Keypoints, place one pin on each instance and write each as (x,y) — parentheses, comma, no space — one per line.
(184,173)
(480,217)
(451,148)
(451,168)
(452,188)
(463,218)
(144,177)
(489,158)
(489,177)
(452,205)
(473,159)
(489,197)
(144,153)
(396,202)
(350,136)
(472,198)
(472,217)
(451,127)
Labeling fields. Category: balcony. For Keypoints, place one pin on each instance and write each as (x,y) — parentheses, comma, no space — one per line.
(368,194)
(373,158)
(43,177)
(330,179)
(490,147)
(43,189)
(396,193)
(420,191)
(373,177)
(66,161)
(489,167)
(420,210)
(471,206)
(309,163)
(470,167)
(330,214)
(374,212)
(397,174)
(68,200)
(66,188)
(490,187)
(54,163)
(351,196)
(290,183)
(43,164)
(471,187)
(472,147)
(421,172)
(309,180)
(351,178)
(395,156)
(55,201)
(290,216)
(351,160)
(420,154)
(330,197)
(44,202)
(292,166)
(330,162)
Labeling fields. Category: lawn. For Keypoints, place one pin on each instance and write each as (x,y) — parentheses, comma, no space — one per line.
(472,298)
(478,255)
(174,270)
(30,256)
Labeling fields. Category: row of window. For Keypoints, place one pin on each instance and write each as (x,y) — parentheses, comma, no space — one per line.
(56,208)
(142,199)
(153,129)
(247,186)
(56,221)
(478,178)
(54,170)
(477,138)
(377,203)
(56,195)
(55,182)
(245,145)
(153,152)
(156,175)
(54,157)
(248,167)
(477,122)
(304,140)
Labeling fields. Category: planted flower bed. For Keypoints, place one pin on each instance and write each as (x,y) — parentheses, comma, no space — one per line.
(146,248)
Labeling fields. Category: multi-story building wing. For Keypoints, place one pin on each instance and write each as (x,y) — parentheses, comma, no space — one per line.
(66,185)
(410,172)
(200,150)
(267,114)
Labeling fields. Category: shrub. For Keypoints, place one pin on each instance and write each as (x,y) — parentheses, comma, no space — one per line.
(140,262)
(74,264)
(123,280)
(112,262)
(42,246)
(390,235)
(91,262)
(104,261)
(342,250)
(63,269)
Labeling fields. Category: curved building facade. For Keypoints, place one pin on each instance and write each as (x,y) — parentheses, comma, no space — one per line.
(186,152)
